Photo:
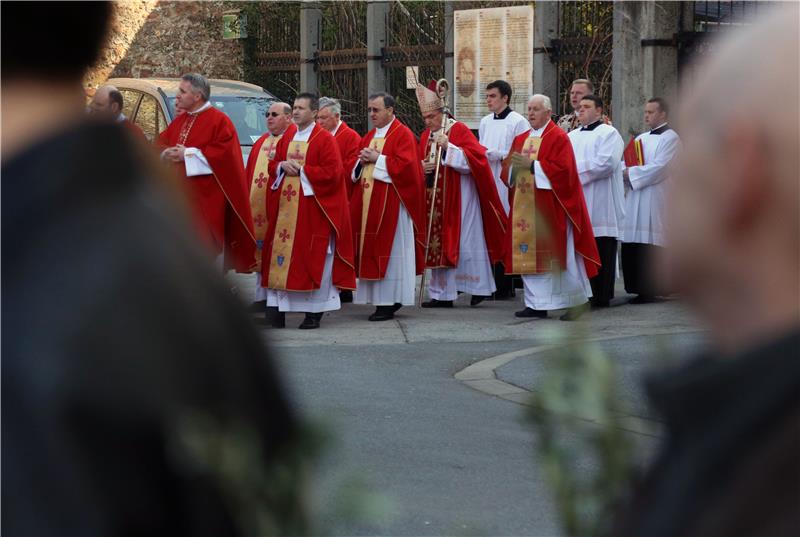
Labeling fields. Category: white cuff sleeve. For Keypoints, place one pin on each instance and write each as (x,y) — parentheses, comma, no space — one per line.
(306,184)
(381,173)
(455,159)
(279,178)
(540,177)
(195,162)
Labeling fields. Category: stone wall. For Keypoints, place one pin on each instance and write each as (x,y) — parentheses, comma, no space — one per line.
(167,39)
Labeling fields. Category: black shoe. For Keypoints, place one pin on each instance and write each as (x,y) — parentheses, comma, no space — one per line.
(643,299)
(530,312)
(396,306)
(346,297)
(573,314)
(433,303)
(257,307)
(477,299)
(382,313)
(311,321)
(275,318)
(599,303)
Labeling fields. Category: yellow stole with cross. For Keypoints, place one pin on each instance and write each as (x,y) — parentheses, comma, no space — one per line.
(258,189)
(286,224)
(368,184)
(523,234)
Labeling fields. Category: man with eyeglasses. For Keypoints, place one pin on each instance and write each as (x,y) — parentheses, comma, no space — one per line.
(308,247)
(388,212)
(279,121)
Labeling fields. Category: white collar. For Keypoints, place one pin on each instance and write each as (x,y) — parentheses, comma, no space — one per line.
(337,128)
(201,109)
(121,117)
(538,132)
(383,130)
(307,129)
(656,128)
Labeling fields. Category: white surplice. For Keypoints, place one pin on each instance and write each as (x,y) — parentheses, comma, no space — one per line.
(644,205)
(397,285)
(473,274)
(598,152)
(496,133)
(326,298)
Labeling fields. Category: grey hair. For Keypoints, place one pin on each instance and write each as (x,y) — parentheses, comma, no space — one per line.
(545,100)
(333,104)
(199,84)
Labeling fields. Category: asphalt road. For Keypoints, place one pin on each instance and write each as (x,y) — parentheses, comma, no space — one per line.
(431,455)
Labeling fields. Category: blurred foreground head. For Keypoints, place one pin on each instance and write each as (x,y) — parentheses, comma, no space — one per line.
(734,205)
(44,60)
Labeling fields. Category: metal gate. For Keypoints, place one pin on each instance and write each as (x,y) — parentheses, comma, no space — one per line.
(583,49)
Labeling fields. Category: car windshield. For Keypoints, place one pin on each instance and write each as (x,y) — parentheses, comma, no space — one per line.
(247,113)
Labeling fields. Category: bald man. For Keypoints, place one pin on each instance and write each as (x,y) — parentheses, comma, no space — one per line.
(730,460)
(107,103)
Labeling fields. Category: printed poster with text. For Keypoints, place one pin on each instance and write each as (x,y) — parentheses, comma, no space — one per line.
(491,44)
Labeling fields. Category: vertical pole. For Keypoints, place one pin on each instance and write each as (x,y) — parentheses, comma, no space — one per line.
(310,20)
(545,28)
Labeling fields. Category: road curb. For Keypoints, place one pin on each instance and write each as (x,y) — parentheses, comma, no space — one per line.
(482,376)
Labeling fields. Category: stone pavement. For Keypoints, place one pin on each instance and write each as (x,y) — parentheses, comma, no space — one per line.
(490,321)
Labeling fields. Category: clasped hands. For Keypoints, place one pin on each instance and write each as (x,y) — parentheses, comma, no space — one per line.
(518,160)
(175,153)
(368,155)
(291,167)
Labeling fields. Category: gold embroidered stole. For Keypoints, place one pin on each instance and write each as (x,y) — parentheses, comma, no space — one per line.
(368,183)
(258,197)
(286,224)
(436,244)
(523,234)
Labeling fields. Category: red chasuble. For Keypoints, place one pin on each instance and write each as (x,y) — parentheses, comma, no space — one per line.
(220,200)
(552,208)
(299,226)
(375,205)
(258,175)
(446,226)
(135,130)
(349,143)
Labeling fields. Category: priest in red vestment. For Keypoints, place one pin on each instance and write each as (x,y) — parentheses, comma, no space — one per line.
(107,103)
(203,144)
(308,247)
(469,222)
(549,240)
(279,122)
(388,213)
(347,140)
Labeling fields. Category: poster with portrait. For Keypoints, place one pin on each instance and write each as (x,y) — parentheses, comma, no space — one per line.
(491,44)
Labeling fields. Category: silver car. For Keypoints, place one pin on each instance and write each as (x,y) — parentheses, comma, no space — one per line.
(150,103)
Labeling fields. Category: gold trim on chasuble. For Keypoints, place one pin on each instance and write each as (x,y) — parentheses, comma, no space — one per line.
(258,193)
(368,184)
(286,225)
(523,234)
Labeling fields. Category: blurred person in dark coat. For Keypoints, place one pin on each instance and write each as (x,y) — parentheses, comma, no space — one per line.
(127,366)
(730,459)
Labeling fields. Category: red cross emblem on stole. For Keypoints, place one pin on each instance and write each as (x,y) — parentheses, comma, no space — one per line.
(289,193)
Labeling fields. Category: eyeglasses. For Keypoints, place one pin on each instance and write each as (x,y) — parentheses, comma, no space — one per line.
(273,114)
